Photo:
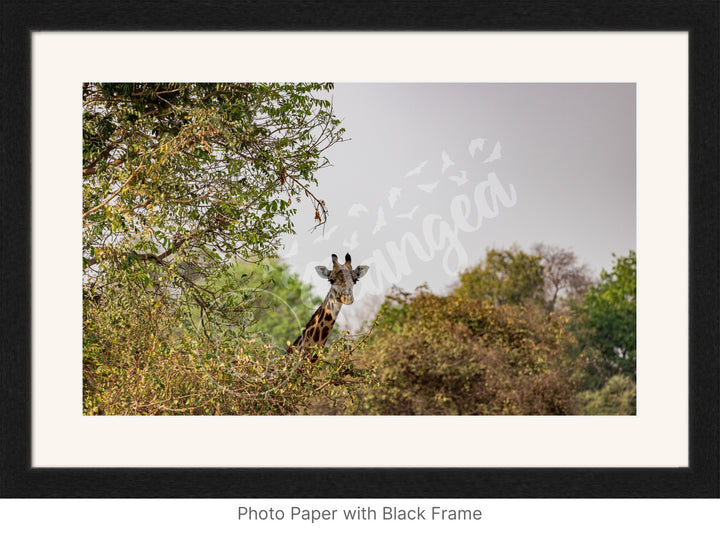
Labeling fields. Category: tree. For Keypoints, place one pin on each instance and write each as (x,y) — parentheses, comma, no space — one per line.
(509,276)
(564,278)
(180,180)
(609,314)
(145,361)
(146,358)
(454,355)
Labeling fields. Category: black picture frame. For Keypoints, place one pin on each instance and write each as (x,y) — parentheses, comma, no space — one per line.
(700,18)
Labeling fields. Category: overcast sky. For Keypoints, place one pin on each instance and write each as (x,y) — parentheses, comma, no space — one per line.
(434,174)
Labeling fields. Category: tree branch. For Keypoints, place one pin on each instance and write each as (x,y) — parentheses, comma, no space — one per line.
(114,194)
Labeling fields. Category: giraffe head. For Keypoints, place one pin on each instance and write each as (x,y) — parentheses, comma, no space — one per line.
(342,278)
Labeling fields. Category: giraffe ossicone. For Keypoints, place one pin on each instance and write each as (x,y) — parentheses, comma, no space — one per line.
(342,278)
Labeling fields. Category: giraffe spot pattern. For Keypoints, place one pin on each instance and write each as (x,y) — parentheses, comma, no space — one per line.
(308,334)
(325,332)
(328,316)
(316,335)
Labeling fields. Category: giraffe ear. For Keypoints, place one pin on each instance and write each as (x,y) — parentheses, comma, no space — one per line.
(323,272)
(360,271)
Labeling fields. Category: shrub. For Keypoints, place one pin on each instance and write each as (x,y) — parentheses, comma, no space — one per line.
(618,396)
(453,355)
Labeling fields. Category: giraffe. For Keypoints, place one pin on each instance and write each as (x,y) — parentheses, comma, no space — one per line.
(342,278)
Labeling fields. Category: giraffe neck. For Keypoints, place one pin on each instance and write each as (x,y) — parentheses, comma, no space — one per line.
(317,330)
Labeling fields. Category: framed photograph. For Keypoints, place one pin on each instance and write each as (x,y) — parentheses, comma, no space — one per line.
(447,251)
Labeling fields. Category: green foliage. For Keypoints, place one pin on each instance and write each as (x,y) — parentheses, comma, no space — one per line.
(454,355)
(187,187)
(513,337)
(617,397)
(509,276)
(187,177)
(150,357)
(282,303)
(180,180)
(609,318)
